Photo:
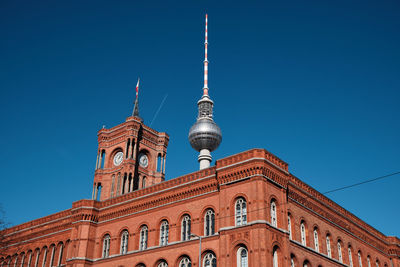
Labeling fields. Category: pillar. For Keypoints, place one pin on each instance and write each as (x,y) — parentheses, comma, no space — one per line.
(164,158)
(96,189)
(129,149)
(97,161)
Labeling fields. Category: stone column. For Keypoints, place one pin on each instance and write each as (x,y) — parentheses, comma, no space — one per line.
(131,185)
(101,160)
(97,161)
(129,149)
(165,158)
(96,191)
(134,150)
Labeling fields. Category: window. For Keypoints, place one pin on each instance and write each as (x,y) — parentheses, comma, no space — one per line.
(144,182)
(22,259)
(316,244)
(106,246)
(209,260)
(53,251)
(339,248)
(359,259)
(60,255)
(30,258)
(377,263)
(209,223)
(275,257)
(185,230)
(242,257)
(44,257)
(273,213)
(328,246)
(350,257)
(143,237)
(37,257)
(124,241)
(241,212)
(292,261)
(289,226)
(164,229)
(306,264)
(369,261)
(303,233)
(162,264)
(185,262)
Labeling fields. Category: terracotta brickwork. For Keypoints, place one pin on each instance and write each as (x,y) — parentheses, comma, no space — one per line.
(91,233)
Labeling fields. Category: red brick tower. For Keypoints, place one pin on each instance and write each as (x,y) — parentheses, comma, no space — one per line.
(130,156)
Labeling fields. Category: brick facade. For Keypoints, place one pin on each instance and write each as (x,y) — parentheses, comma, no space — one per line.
(75,237)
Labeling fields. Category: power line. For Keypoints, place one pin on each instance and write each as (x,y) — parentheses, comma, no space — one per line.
(360,183)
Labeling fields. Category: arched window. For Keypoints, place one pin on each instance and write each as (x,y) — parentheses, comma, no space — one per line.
(102,159)
(143,237)
(44,256)
(144,182)
(241,212)
(185,262)
(292,264)
(53,251)
(106,246)
(209,260)
(185,230)
(359,259)
(242,257)
(368,261)
(124,242)
(328,246)
(162,263)
(339,249)
(289,222)
(22,259)
(303,233)
(274,221)
(209,223)
(164,229)
(140,265)
(37,252)
(316,243)
(60,254)
(275,257)
(350,257)
(30,258)
(159,163)
(306,263)
(377,263)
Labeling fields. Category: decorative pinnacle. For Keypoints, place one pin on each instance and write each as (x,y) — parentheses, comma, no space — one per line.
(205,88)
(135,112)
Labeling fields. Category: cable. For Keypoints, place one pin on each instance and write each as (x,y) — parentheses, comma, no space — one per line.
(360,183)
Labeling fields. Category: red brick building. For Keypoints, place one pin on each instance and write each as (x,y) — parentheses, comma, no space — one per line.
(246,210)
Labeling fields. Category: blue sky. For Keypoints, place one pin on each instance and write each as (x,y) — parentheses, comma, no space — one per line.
(314,82)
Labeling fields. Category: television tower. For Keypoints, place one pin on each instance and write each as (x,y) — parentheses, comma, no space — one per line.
(205,135)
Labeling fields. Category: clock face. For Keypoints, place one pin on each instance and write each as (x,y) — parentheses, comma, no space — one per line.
(143,160)
(118,158)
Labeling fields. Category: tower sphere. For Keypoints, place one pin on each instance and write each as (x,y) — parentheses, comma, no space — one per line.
(205,134)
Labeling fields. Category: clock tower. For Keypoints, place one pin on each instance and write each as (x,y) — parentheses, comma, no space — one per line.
(130,156)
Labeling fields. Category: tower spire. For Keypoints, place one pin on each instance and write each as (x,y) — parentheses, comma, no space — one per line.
(135,112)
(205,135)
(205,88)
